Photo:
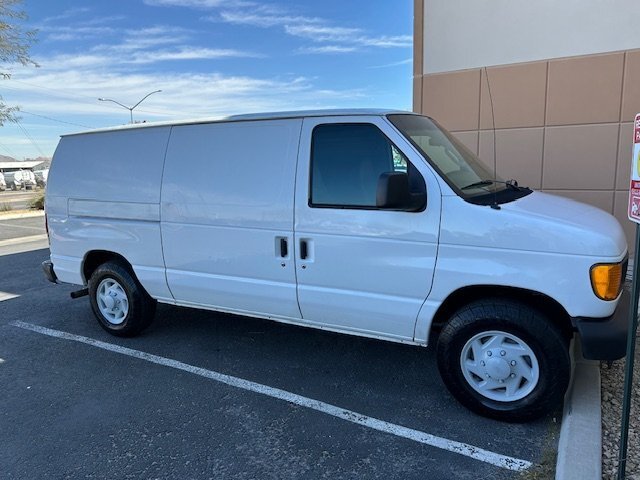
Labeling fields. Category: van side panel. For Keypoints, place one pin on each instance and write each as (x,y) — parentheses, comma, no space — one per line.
(104,194)
(227,202)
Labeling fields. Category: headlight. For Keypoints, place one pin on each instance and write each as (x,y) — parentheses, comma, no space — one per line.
(606,280)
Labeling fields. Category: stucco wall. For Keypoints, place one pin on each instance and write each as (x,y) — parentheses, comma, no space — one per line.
(563,125)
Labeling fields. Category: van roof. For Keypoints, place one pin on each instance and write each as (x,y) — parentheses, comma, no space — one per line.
(249,116)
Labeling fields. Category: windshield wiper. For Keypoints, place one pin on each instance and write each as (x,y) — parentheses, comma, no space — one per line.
(481,183)
(484,183)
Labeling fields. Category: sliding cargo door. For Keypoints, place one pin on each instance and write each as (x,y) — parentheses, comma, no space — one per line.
(227,216)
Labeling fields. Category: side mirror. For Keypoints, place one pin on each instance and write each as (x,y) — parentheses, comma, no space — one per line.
(394,193)
(393,190)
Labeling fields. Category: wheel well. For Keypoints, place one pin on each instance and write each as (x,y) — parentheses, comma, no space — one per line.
(539,301)
(95,258)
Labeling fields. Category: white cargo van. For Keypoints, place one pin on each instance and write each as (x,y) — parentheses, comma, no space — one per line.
(372,223)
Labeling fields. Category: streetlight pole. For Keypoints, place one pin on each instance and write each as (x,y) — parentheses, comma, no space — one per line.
(129,108)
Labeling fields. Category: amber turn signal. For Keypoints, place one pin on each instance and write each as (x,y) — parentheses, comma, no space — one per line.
(606,280)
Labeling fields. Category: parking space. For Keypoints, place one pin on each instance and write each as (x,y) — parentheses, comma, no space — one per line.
(203,395)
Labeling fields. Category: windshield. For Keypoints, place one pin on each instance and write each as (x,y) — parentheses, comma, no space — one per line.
(457,165)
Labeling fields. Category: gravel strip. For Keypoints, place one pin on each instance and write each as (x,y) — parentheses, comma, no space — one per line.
(612,390)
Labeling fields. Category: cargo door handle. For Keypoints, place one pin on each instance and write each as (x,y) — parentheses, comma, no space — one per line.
(304,250)
(284,249)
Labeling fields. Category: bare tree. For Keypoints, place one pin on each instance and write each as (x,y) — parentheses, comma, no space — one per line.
(15,42)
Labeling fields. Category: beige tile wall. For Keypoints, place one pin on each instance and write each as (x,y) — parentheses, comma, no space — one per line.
(562,125)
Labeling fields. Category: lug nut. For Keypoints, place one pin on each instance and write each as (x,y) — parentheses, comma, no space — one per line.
(489,353)
(513,375)
(513,363)
(482,363)
(502,353)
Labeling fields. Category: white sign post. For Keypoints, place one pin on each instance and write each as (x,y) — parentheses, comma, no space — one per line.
(634,216)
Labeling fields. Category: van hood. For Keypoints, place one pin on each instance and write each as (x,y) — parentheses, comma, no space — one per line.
(538,222)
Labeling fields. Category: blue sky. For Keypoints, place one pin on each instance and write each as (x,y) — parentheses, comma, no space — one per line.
(209,58)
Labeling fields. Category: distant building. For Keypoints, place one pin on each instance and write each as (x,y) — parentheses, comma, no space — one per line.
(43,162)
(12,166)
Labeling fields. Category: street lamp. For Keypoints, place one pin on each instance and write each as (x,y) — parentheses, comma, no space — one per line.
(129,108)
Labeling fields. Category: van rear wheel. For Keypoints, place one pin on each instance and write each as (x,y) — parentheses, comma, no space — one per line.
(504,360)
(121,305)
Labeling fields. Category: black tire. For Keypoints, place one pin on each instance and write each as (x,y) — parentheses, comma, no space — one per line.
(535,330)
(141,307)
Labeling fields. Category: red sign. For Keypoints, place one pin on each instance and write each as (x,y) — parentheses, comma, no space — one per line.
(634,187)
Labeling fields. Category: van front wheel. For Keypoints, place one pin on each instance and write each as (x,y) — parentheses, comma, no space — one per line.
(504,360)
(121,305)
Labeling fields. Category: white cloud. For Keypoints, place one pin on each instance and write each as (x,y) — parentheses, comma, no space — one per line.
(74,91)
(386,41)
(328,49)
(68,26)
(322,33)
(69,13)
(140,46)
(394,64)
(157,30)
(68,33)
(350,36)
(187,54)
(315,29)
(262,18)
(202,4)
(341,39)
(62,37)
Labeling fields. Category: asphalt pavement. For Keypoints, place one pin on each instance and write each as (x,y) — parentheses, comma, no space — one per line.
(77,402)
(21,227)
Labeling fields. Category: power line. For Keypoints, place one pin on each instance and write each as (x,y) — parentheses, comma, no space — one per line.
(58,91)
(30,138)
(55,119)
(8,150)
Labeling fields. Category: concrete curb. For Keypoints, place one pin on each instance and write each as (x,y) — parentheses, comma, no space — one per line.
(580,444)
(11,216)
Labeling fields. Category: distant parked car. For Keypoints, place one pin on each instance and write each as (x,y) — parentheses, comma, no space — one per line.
(20,179)
(41,177)
(3,183)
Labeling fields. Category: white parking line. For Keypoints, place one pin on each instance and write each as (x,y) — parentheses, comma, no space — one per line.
(26,227)
(7,296)
(467,450)
(22,240)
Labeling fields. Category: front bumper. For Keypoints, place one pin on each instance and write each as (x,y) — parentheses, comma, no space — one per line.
(605,338)
(47,267)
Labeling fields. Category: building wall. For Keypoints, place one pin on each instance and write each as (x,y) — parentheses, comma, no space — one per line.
(562,124)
